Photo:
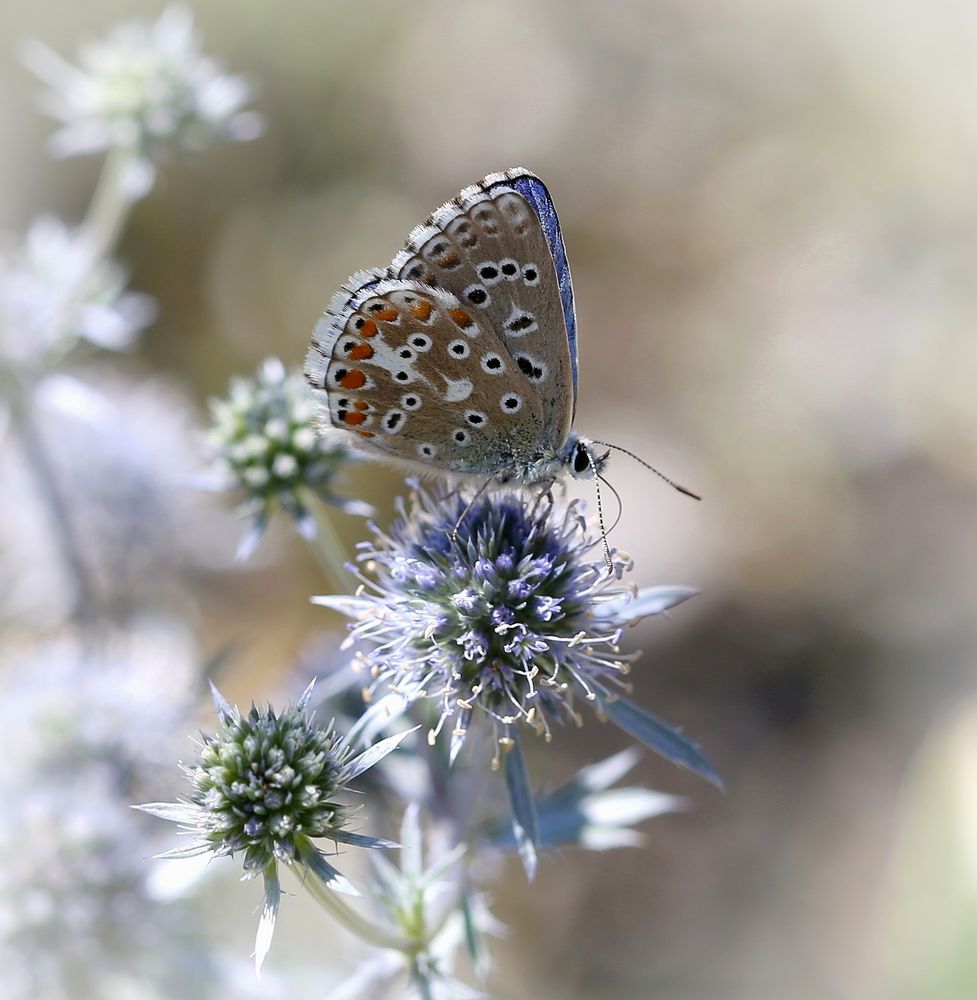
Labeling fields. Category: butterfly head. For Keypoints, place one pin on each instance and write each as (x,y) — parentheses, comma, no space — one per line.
(582,459)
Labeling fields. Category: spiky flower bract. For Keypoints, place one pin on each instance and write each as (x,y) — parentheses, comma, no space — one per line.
(266,445)
(143,87)
(265,786)
(503,607)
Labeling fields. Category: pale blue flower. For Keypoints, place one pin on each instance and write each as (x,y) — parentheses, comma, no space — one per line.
(53,294)
(143,87)
(507,611)
(503,609)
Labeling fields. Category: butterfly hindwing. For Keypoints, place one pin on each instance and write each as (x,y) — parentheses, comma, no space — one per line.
(420,379)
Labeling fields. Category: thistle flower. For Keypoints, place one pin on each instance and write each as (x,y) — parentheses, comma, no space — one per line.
(503,609)
(53,295)
(266,446)
(266,786)
(144,88)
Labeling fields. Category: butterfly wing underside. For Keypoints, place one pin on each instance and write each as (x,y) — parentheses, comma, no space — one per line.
(461,355)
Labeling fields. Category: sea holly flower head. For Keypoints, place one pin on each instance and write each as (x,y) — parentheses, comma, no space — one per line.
(266,446)
(504,608)
(501,607)
(53,295)
(143,87)
(266,786)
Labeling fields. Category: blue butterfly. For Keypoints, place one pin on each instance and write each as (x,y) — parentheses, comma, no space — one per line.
(460,358)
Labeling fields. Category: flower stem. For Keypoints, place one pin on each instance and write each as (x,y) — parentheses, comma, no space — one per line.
(110,204)
(329,549)
(420,979)
(50,493)
(364,928)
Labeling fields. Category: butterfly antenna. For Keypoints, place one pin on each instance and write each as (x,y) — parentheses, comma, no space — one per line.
(600,510)
(617,497)
(650,468)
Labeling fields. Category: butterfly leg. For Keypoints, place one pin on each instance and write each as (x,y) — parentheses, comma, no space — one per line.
(545,493)
(471,503)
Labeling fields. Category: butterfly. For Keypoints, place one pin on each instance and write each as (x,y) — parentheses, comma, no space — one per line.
(460,357)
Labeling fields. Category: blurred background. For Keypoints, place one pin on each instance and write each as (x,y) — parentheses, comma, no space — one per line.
(771,214)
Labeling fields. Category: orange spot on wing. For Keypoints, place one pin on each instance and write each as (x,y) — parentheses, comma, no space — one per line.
(361,404)
(360,352)
(449,260)
(353,418)
(461,318)
(368,329)
(366,434)
(385,314)
(422,311)
(354,379)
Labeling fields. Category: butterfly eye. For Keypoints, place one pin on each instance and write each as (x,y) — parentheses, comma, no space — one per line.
(475,417)
(461,437)
(511,402)
(421,341)
(410,401)
(509,268)
(581,461)
(427,450)
(459,349)
(406,354)
(530,274)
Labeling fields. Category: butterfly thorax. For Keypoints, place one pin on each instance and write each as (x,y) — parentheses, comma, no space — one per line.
(575,456)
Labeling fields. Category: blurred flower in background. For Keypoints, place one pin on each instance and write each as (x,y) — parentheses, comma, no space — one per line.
(86,730)
(52,295)
(266,445)
(127,449)
(143,87)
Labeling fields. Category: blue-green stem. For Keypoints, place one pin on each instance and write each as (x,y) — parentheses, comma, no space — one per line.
(110,204)
(328,547)
(364,928)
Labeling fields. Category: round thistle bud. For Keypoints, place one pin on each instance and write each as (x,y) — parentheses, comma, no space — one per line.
(265,786)
(265,779)
(265,444)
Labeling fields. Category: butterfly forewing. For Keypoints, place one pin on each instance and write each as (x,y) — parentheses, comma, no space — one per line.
(489,249)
